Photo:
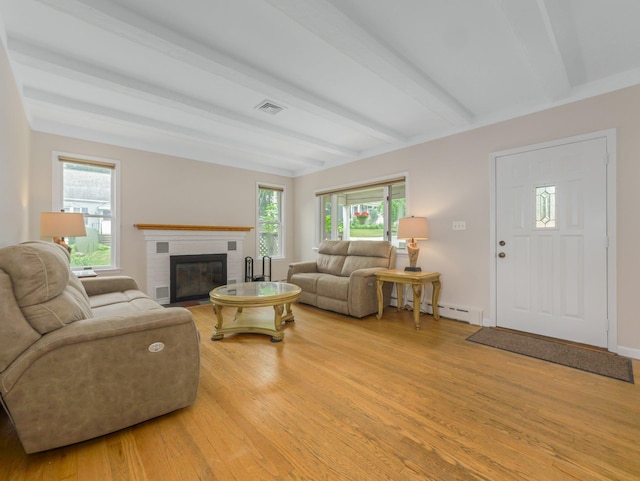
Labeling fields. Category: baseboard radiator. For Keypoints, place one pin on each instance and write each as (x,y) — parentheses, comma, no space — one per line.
(472,315)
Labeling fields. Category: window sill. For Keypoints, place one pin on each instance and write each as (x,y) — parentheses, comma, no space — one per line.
(99,270)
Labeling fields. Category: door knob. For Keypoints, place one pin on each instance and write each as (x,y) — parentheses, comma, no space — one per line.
(502,243)
(502,254)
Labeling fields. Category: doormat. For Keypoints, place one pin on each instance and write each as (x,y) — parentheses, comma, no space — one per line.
(598,362)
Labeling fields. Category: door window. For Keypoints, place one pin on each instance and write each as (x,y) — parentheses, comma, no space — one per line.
(546,207)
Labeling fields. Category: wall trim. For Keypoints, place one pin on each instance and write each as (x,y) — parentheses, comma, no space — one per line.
(629,352)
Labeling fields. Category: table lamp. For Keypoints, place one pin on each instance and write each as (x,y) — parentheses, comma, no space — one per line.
(60,225)
(414,228)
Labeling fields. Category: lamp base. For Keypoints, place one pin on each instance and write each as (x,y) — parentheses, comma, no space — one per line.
(413,269)
(61,241)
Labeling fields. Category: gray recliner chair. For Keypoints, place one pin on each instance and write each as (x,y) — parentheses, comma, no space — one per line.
(82,359)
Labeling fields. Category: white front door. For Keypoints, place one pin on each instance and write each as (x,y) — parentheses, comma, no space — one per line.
(551,235)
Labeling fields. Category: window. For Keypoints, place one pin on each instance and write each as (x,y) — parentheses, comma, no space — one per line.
(546,207)
(367,212)
(89,186)
(270,214)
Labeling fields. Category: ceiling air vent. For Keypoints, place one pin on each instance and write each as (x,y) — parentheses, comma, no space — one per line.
(269,107)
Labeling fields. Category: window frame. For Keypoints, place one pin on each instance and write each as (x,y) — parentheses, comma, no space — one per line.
(384,182)
(281,215)
(57,199)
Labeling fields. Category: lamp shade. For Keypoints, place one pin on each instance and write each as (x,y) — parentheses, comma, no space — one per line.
(413,228)
(62,224)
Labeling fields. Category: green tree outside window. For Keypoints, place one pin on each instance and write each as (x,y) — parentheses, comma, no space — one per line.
(270,221)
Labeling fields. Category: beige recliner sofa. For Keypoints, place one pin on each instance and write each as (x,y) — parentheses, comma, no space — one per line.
(83,359)
(342,279)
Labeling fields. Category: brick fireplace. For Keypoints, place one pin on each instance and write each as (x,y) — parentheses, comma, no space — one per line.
(166,240)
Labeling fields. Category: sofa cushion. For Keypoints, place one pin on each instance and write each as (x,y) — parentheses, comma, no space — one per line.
(307,281)
(353,263)
(370,249)
(122,303)
(334,247)
(331,256)
(334,287)
(39,270)
(49,295)
(63,309)
(330,264)
(16,334)
(366,254)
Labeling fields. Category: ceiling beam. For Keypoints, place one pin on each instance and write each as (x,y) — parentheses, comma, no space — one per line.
(127,24)
(167,128)
(66,67)
(530,23)
(191,150)
(334,27)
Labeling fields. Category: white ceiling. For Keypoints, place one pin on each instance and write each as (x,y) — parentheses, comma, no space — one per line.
(355,77)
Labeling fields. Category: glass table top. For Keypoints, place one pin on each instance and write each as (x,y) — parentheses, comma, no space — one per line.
(255,289)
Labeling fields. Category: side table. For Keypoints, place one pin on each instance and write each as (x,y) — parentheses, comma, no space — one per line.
(416,280)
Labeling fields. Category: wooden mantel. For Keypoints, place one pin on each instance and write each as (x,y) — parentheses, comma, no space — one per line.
(227,228)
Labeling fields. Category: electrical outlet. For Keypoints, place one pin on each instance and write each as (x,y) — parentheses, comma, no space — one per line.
(459,225)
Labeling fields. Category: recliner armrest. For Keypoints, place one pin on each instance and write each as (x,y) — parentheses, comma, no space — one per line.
(366,272)
(103,285)
(298,267)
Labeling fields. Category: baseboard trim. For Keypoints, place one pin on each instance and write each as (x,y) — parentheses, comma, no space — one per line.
(629,352)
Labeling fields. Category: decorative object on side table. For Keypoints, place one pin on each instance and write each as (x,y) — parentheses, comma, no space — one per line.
(60,225)
(414,228)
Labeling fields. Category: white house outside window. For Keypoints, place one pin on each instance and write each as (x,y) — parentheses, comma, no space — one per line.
(89,187)
(270,214)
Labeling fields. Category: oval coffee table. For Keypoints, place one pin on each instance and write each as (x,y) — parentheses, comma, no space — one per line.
(280,295)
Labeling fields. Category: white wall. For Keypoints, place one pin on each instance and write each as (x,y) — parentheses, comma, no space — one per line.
(448,180)
(161,189)
(14,158)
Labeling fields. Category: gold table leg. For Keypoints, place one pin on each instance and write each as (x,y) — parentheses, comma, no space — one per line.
(417,296)
(400,295)
(380,298)
(218,311)
(288,315)
(435,299)
(277,320)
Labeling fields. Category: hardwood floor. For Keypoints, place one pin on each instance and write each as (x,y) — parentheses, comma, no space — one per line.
(346,399)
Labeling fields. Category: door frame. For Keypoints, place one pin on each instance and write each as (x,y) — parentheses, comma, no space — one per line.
(610,136)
